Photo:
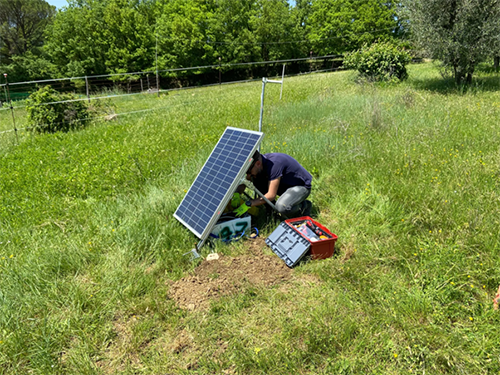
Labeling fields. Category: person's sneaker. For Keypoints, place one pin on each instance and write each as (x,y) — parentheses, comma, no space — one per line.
(306,208)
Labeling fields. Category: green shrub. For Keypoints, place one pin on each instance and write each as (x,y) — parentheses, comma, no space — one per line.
(379,62)
(50,111)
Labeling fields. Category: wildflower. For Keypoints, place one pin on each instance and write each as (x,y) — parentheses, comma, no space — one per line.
(471,318)
(257,350)
(395,355)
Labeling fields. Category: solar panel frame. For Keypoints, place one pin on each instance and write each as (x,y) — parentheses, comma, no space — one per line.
(218,169)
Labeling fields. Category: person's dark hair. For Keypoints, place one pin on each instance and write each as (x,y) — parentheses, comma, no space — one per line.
(255,157)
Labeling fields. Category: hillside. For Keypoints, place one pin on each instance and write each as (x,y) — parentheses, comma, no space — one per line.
(93,277)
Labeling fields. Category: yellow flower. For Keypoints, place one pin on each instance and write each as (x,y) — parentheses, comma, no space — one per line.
(471,318)
(257,350)
(395,355)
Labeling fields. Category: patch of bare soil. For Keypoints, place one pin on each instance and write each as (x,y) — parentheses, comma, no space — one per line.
(229,275)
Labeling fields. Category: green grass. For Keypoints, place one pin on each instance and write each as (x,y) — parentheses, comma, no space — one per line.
(407,176)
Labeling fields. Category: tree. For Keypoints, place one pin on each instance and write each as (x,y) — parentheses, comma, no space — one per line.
(184,34)
(337,26)
(459,33)
(75,42)
(300,15)
(22,23)
(233,37)
(271,24)
(129,34)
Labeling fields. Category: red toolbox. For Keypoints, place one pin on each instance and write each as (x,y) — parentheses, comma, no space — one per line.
(294,238)
(323,245)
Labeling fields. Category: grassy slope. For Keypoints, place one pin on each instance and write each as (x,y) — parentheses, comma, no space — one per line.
(406,176)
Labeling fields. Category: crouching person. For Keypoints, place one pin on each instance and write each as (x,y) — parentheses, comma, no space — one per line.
(279,175)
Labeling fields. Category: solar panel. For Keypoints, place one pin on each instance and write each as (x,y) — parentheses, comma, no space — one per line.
(218,179)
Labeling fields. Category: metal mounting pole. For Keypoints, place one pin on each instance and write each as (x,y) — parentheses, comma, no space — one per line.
(11,107)
(282,80)
(250,185)
(264,81)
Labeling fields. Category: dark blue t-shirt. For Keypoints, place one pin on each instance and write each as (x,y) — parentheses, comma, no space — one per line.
(292,174)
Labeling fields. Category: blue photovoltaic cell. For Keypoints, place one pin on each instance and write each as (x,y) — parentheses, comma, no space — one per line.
(203,202)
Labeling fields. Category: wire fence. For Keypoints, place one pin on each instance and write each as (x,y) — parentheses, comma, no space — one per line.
(95,87)
(107,87)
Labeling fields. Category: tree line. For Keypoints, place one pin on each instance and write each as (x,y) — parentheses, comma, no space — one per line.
(93,37)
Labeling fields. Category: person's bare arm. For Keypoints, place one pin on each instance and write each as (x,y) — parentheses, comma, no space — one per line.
(271,193)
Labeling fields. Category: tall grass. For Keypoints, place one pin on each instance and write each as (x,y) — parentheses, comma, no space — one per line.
(407,176)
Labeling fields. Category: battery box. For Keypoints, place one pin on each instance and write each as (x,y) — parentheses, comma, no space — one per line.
(295,238)
(229,227)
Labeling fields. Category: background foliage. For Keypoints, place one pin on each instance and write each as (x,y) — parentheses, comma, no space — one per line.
(379,62)
(49,111)
(90,37)
(460,33)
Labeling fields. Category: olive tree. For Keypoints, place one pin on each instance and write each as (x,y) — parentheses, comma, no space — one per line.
(458,33)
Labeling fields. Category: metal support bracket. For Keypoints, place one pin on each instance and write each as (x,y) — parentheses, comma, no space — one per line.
(194,254)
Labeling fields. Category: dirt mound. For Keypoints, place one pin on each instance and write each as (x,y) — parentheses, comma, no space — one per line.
(229,275)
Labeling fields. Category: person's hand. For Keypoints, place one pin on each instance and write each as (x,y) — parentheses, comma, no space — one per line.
(241,209)
(235,201)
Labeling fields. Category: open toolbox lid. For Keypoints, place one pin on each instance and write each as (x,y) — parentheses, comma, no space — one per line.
(288,244)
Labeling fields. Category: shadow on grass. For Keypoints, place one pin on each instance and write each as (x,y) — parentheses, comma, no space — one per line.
(447,85)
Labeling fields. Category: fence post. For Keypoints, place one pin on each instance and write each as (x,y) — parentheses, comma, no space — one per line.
(156,60)
(11,107)
(220,80)
(158,84)
(142,87)
(87,88)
